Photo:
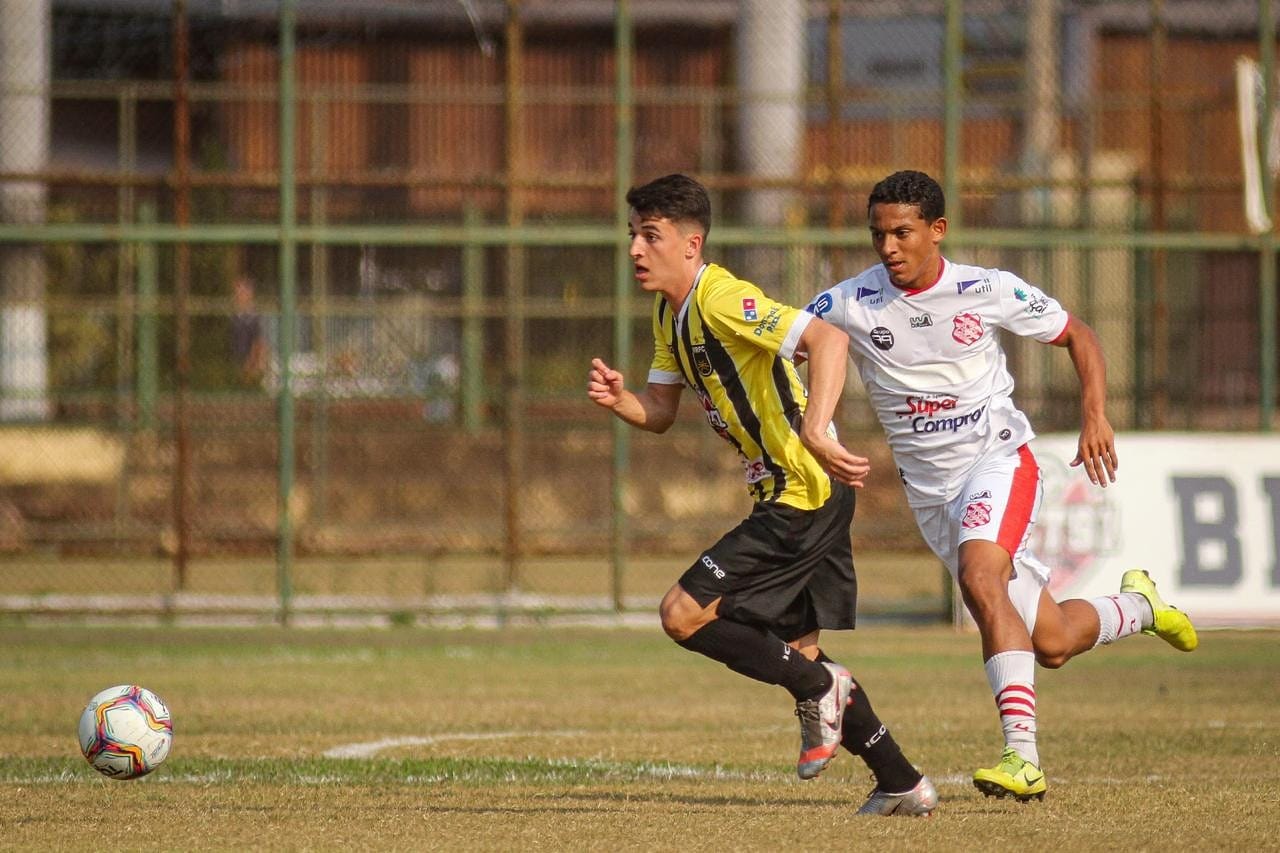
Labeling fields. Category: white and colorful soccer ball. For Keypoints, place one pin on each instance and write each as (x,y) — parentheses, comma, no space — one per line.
(126,731)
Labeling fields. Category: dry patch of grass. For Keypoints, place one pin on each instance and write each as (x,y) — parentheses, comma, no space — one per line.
(619,740)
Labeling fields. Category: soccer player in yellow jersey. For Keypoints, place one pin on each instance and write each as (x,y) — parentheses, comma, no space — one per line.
(756,600)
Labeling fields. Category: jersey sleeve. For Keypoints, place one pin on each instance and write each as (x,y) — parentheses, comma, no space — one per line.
(732,307)
(1028,311)
(663,370)
(829,305)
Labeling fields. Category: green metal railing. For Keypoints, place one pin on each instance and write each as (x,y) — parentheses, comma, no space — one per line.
(139,241)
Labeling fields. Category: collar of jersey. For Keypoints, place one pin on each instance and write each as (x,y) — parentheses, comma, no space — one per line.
(684,306)
(942,273)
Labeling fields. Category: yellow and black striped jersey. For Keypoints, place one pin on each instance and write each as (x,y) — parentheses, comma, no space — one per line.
(733,346)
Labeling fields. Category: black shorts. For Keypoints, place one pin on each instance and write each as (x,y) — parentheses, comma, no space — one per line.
(786,570)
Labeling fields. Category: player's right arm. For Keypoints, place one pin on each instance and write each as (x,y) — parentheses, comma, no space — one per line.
(653,409)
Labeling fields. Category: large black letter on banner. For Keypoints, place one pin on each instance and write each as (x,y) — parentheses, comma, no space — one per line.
(1197,532)
(1271,485)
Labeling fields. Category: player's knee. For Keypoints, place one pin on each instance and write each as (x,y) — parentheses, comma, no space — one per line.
(676,629)
(981,589)
(679,620)
(1052,658)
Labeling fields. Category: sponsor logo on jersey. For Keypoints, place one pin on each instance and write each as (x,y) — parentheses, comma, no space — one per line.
(976,514)
(1035,304)
(769,323)
(882,338)
(928,424)
(928,406)
(1004,434)
(821,305)
(984,286)
(966,328)
(714,417)
(867,293)
(749,309)
(1038,305)
(977,496)
(921,321)
(755,470)
(701,360)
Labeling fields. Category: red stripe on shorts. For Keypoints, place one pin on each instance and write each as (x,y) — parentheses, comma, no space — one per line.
(1022,499)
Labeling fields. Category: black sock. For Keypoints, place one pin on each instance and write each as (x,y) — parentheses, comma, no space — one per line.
(760,655)
(866,737)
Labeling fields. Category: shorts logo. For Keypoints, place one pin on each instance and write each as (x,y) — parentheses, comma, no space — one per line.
(749,309)
(966,328)
(711,564)
(701,360)
(882,338)
(976,514)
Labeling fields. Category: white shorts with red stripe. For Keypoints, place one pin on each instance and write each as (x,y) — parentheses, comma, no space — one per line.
(999,503)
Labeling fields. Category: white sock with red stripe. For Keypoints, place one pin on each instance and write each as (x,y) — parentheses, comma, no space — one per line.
(1012,678)
(1120,615)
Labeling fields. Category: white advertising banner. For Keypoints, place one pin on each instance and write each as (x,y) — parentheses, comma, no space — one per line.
(1200,512)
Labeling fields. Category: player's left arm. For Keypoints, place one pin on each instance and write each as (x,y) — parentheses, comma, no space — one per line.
(1097,446)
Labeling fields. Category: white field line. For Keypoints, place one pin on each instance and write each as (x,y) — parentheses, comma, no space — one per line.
(371,748)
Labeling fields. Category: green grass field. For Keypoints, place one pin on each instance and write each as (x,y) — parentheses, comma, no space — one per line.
(577,739)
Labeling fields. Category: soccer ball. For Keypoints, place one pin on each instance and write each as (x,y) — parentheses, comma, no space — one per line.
(126,731)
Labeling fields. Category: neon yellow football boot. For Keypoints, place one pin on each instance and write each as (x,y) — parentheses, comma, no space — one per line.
(1171,624)
(1013,777)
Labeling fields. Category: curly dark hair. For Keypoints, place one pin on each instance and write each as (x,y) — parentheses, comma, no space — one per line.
(678,198)
(910,187)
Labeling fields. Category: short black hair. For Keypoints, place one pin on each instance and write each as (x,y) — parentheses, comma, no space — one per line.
(678,198)
(910,187)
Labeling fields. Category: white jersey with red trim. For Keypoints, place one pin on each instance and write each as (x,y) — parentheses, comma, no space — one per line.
(934,368)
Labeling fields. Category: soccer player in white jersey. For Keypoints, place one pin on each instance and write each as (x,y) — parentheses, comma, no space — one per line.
(924,336)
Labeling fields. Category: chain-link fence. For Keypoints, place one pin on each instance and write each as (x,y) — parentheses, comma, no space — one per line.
(298,297)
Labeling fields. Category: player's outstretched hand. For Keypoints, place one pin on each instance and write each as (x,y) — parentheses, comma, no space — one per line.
(836,459)
(1097,452)
(604,384)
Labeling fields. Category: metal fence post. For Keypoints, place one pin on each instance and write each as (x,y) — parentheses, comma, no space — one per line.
(288,251)
(146,374)
(624,110)
(1267,253)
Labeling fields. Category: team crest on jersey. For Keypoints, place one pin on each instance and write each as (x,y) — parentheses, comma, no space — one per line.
(976,514)
(882,338)
(966,328)
(749,309)
(921,321)
(701,360)
(976,285)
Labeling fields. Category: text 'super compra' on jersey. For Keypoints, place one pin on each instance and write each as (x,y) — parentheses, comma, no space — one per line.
(934,369)
(732,346)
